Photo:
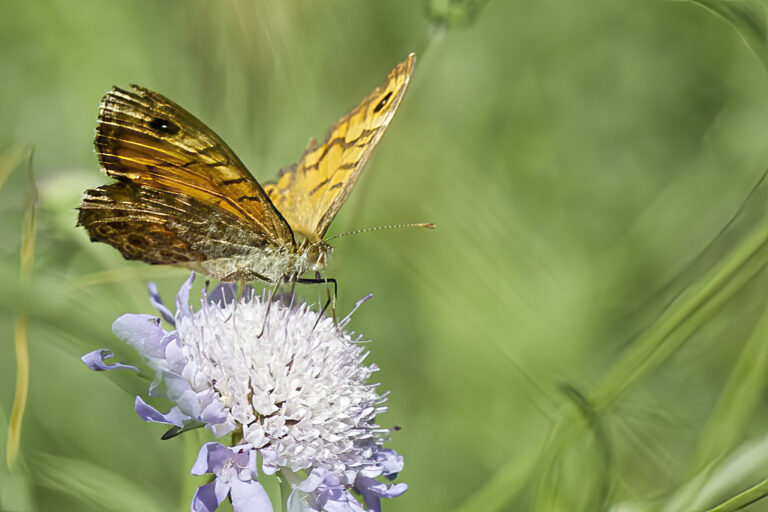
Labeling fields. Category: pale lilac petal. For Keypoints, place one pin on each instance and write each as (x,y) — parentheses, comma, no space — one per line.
(182,299)
(391,462)
(95,361)
(252,460)
(156,301)
(249,496)
(234,468)
(155,388)
(179,391)
(346,319)
(214,413)
(204,406)
(223,428)
(329,491)
(175,360)
(344,503)
(257,436)
(300,501)
(221,488)
(349,475)
(371,471)
(269,464)
(143,332)
(314,479)
(244,457)
(149,413)
(201,466)
(223,294)
(205,499)
(372,491)
(211,456)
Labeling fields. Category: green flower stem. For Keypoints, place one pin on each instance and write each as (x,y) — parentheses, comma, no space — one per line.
(744,499)
(192,440)
(285,492)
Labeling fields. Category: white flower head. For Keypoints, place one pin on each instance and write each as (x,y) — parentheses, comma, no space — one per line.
(290,383)
(301,388)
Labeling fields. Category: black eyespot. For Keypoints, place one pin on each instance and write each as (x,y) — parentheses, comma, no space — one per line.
(164,126)
(382,103)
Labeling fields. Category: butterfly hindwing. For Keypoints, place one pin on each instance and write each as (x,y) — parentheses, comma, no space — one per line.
(310,193)
(147,139)
(160,227)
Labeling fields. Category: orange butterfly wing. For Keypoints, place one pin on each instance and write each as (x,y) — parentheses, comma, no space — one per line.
(310,193)
(145,138)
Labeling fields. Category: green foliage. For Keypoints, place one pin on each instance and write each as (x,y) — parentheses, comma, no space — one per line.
(584,330)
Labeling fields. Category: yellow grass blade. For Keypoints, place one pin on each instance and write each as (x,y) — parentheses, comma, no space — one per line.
(22,389)
(21,343)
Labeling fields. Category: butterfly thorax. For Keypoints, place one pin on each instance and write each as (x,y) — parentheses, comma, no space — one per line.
(269,263)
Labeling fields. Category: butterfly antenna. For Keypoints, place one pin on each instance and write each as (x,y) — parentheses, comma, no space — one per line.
(427,225)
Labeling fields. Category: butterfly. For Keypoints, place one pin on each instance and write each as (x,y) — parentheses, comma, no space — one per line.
(182,197)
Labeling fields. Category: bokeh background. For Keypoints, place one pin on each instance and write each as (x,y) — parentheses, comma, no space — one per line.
(586,329)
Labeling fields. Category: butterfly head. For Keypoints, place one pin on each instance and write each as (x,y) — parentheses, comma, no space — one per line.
(316,255)
(313,252)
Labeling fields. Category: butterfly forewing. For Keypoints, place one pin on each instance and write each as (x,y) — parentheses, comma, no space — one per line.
(149,140)
(310,193)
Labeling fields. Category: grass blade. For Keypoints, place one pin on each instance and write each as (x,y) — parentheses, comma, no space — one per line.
(10,160)
(746,498)
(21,344)
(739,399)
(750,24)
(94,485)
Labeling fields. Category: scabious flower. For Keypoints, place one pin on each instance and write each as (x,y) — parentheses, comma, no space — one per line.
(298,395)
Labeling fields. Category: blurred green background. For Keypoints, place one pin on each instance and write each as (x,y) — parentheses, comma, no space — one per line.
(585,330)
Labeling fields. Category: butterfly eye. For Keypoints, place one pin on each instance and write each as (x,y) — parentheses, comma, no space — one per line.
(164,126)
(382,103)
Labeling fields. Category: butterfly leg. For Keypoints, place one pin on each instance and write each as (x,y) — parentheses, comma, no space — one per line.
(293,291)
(331,298)
(290,304)
(272,294)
